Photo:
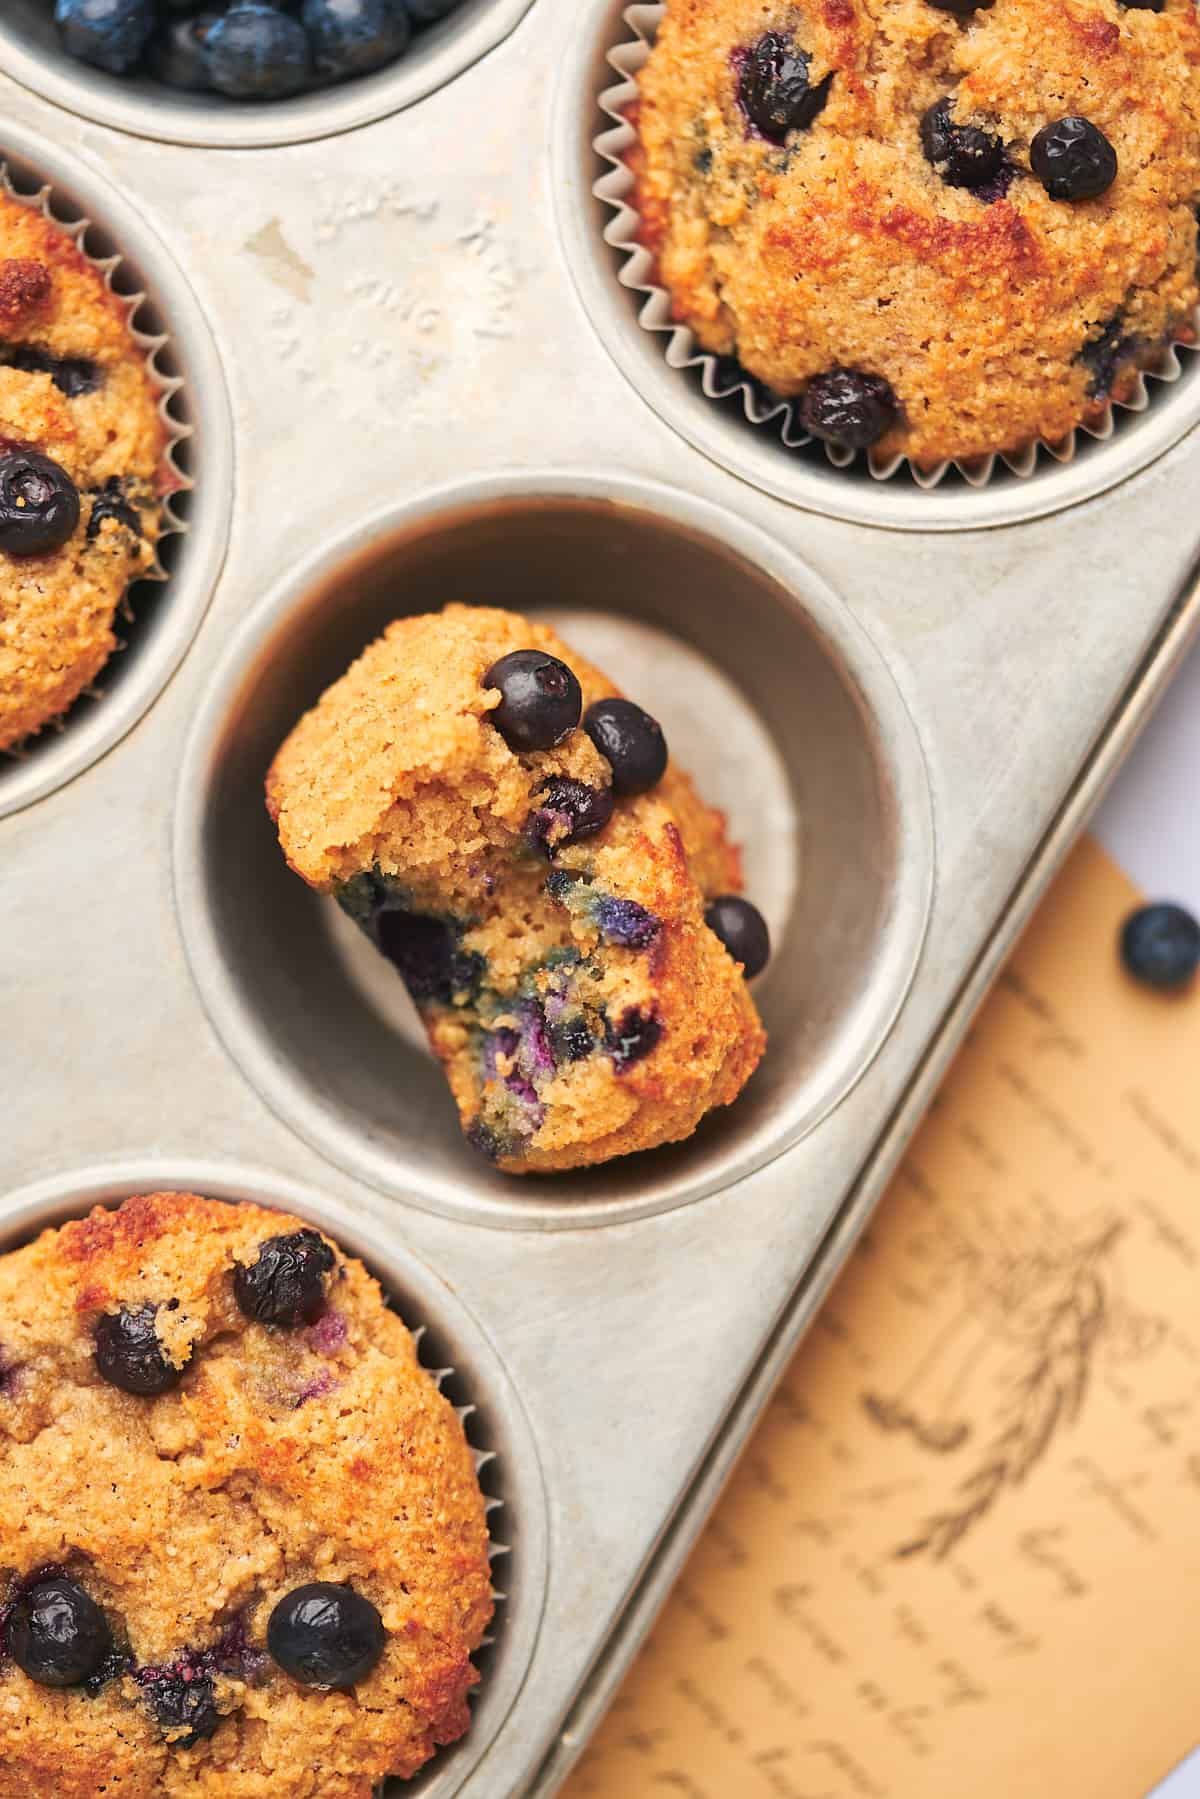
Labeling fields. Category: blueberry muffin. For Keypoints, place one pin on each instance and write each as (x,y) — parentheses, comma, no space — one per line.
(514,838)
(242,1545)
(82,470)
(950,227)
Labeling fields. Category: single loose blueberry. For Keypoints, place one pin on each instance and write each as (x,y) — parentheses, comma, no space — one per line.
(109,33)
(540,700)
(258,53)
(352,37)
(774,89)
(567,812)
(631,742)
(130,1356)
(179,52)
(1160,945)
(1073,159)
(742,928)
(628,1041)
(963,155)
(39,504)
(849,408)
(57,1634)
(286,1282)
(72,375)
(326,1636)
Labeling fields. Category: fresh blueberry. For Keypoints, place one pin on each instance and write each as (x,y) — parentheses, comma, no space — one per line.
(57,1634)
(72,375)
(849,408)
(179,52)
(628,1041)
(39,504)
(286,1282)
(130,1356)
(183,1699)
(427,12)
(567,812)
(326,1636)
(630,741)
(427,952)
(109,33)
(110,502)
(774,89)
(540,700)
(258,53)
(1160,945)
(352,37)
(742,928)
(1073,159)
(963,155)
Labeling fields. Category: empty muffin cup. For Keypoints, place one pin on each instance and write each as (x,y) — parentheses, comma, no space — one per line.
(451,1347)
(162,611)
(770,695)
(758,434)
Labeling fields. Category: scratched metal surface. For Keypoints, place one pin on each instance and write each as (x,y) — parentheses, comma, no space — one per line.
(395,313)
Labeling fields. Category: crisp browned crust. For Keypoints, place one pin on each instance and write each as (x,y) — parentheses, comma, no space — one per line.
(397,769)
(845,248)
(57,612)
(283,1457)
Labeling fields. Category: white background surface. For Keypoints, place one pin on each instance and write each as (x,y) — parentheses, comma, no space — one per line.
(1150,823)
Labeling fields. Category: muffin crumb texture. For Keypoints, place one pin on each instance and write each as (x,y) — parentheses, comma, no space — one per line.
(263,1457)
(925,195)
(82,470)
(550,927)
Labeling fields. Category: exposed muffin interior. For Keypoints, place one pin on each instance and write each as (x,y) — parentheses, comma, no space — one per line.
(243,1547)
(83,469)
(550,926)
(945,232)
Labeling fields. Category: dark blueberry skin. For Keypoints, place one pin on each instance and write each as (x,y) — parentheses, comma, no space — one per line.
(352,37)
(774,89)
(426,952)
(626,924)
(110,502)
(130,1356)
(1073,159)
(1160,946)
(1104,356)
(541,701)
(57,1634)
(427,12)
(963,155)
(179,54)
(848,408)
(571,1039)
(258,53)
(962,9)
(636,1034)
(39,504)
(72,375)
(567,812)
(631,742)
(183,1699)
(743,930)
(326,1636)
(286,1283)
(109,33)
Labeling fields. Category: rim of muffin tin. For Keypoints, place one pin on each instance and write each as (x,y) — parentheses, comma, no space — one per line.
(148,108)
(759,443)
(476,1380)
(529,1203)
(195,408)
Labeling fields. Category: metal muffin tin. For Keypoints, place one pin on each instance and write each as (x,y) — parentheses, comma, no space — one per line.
(907,726)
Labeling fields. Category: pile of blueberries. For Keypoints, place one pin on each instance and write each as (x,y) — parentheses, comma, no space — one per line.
(245,49)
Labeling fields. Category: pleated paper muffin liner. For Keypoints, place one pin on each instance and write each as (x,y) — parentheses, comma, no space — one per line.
(722,380)
(174,480)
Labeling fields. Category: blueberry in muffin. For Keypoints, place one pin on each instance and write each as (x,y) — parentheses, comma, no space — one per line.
(82,470)
(241,1534)
(919,218)
(511,834)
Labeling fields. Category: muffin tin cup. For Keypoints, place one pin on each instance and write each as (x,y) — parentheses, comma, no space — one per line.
(724,414)
(790,723)
(32,54)
(451,1346)
(166,323)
